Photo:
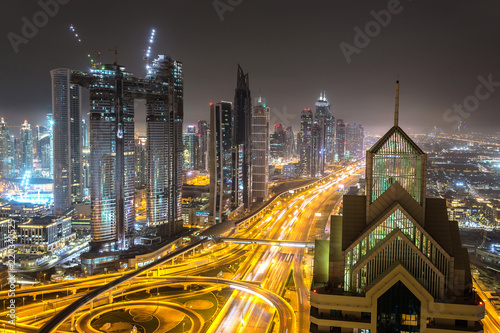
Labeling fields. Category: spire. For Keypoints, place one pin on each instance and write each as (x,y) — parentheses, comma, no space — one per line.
(396,109)
(260,95)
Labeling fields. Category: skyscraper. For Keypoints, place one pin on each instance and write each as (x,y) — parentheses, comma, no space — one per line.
(44,150)
(278,143)
(85,158)
(242,145)
(394,262)
(190,153)
(165,113)
(7,166)
(324,137)
(260,150)
(340,139)
(66,109)
(305,142)
(112,147)
(203,145)
(111,157)
(354,137)
(221,164)
(26,149)
(141,163)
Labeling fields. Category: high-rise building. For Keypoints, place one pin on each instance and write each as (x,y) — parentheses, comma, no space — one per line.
(221,164)
(85,159)
(323,140)
(26,149)
(112,147)
(7,151)
(305,142)
(165,114)
(340,140)
(190,153)
(277,144)
(203,145)
(260,150)
(394,262)
(67,135)
(290,147)
(354,137)
(242,145)
(141,162)
(44,151)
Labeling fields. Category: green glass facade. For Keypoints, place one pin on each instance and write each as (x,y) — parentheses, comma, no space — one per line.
(397,160)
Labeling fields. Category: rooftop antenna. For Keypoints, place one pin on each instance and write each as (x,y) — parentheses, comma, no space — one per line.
(396,109)
(79,39)
(147,55)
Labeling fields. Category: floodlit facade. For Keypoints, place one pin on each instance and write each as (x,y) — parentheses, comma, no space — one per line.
(260,150)
(394,262)
(67,135)
(112,149)
(242,145)
(221,167)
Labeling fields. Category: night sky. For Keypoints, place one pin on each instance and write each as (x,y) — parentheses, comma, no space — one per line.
(291,50)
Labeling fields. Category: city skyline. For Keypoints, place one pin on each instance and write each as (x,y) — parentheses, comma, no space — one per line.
(434,80)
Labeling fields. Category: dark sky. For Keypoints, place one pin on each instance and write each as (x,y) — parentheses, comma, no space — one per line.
(291,50)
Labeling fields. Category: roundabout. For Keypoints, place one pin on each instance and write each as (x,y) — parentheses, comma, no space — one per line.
(146,316)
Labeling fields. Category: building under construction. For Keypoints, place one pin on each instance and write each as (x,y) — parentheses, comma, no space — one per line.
(112,93)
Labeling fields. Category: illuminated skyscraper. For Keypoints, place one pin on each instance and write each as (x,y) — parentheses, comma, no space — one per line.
(165,113)
(354,137)
(203,145)
(305,142)
(340,139)
(67,150)
(112,148)
(7,166)
(26,148)
(221,164)
(190,153)
(242,145)
(260,150)
(394,262)
(324,137)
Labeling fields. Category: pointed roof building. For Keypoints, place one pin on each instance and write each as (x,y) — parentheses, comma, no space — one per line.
(394,261)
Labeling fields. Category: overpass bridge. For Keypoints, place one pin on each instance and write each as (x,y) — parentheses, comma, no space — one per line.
(275,242)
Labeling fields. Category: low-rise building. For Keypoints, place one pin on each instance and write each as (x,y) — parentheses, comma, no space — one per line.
(42,234)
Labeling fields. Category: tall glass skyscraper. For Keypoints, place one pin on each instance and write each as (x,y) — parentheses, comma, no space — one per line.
(260,150)
(7,166)
(242,144)
(221,165)
(26,149)
(112,148)
(67,150)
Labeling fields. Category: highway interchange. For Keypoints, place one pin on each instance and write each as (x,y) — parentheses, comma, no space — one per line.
(258,283)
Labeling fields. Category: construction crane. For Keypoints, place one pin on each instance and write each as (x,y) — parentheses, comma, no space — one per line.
(79,39)
(147,50)
(115,51)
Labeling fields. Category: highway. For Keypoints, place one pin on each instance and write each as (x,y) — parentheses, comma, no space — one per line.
(272,265)
(491,321)
(247,308)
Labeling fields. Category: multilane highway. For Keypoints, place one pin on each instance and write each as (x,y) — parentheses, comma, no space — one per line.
(269,265)
(272,265)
